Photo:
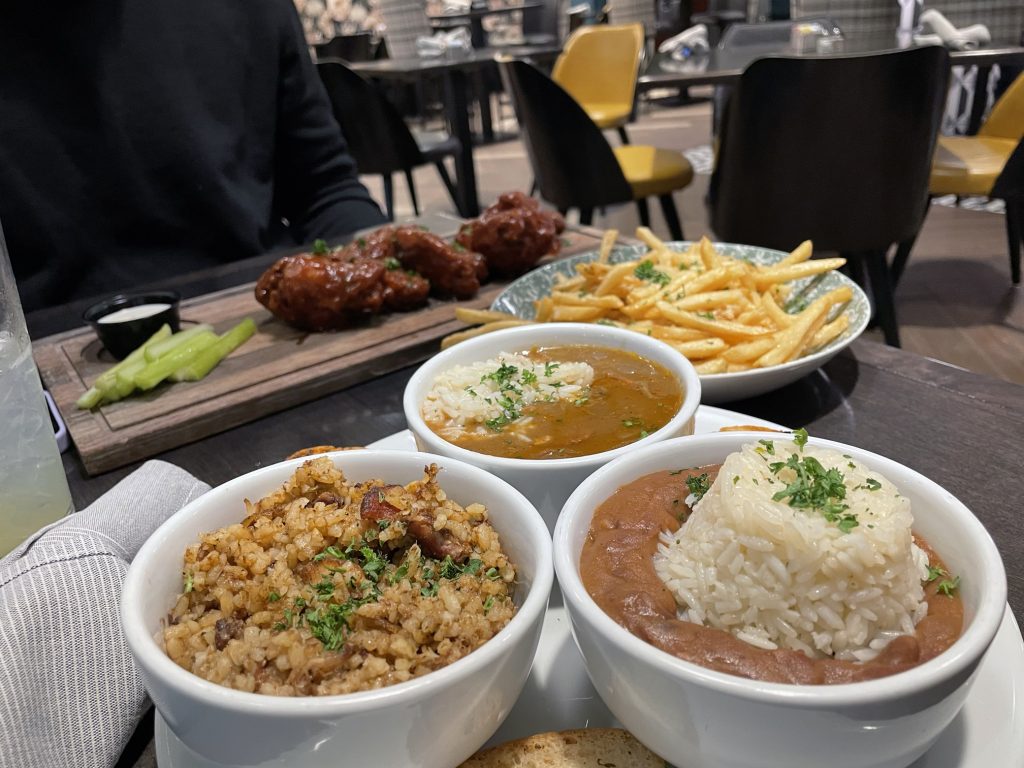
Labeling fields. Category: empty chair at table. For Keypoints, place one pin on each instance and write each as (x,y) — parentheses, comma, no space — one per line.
(980,165)
(573,163)
(832,149)
(598,67)
(378,137)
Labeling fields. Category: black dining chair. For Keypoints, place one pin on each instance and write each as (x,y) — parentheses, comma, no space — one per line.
(573,164)
(358,47)
(378,137)
(834,149)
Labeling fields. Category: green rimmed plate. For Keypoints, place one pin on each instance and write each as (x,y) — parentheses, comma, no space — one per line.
(519,296)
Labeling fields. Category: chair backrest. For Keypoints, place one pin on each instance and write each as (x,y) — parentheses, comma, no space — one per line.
(404,20)
(377,137)
(1006,120)
(836,149)
(857,18)
(357,47)
(599,63)
(634,11)
(1004,18)
(572,162)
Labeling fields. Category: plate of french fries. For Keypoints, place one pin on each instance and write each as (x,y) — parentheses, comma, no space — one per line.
(750,319)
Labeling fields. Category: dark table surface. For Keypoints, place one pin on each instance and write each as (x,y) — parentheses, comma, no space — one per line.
(958,428)
(410,67)
(724,66)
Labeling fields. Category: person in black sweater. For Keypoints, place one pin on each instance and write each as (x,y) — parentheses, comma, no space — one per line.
(142,139)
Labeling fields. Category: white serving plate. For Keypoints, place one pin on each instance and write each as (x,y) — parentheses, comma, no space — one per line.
(988,732)
(519,296)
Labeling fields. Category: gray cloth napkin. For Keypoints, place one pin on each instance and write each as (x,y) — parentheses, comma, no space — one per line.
(70,694)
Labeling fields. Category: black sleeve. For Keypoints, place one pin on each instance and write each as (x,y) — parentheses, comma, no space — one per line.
(316,186)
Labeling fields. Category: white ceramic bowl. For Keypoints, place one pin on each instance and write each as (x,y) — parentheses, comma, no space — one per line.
(548,482)
(697,717)
(434,721)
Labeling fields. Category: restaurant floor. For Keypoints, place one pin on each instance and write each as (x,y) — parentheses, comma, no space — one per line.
(955,301)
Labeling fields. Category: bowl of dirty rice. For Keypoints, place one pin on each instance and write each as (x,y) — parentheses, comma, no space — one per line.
(340,609)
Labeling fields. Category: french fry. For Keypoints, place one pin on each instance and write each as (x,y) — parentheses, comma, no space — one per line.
(607,242)
(799,254)
(712,366)
(790,340)
(721,328)
(766,277)
(477,316)
(828,332)
(707,254)
(561,313)
(544,307)
(614,278)
(775,312)
(676,334)
(587,300)
(569,283)
(454,338)
(709,300)
(700,349)
(749,350)
(650,239)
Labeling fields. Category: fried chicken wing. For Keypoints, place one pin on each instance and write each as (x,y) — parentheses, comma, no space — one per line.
(450,272)
(513,234)
(319,294)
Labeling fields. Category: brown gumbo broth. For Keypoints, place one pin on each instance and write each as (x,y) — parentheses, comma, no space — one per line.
(629,398)
(617,569)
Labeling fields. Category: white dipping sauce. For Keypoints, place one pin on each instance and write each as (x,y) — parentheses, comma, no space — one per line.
(133,313)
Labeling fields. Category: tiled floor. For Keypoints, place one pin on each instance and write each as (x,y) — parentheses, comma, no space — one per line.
(955,302)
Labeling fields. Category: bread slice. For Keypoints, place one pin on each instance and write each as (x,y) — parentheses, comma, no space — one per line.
(583,748)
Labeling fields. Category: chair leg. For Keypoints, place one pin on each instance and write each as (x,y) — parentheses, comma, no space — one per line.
(586,216)
(881,289)
(854,268)
(533,187)
(389,196)
(899,261)
(623,135)
(412,191)
(668,209)
(1014,233)
(644,211)
(442,171)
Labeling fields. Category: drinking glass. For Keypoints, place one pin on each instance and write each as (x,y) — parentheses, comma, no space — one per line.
(33,487)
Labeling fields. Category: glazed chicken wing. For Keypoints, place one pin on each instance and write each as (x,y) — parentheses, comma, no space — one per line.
(451,272)
(513,234)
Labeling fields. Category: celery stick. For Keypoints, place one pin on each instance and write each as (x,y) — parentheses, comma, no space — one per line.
(90,399)
(108,376)
(210,357)
(126,377)
(166,346)
(158,370)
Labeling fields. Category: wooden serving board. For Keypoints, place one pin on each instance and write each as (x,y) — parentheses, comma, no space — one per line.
(277,368)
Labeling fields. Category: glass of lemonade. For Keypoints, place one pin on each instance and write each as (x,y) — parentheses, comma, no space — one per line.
(33,487)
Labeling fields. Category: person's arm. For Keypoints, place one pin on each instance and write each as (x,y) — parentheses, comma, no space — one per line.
(316,186)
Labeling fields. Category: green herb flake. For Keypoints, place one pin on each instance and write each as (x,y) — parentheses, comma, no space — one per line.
(550,368)
(399,574)
(800,438)
(528,377)
(706,315)
(488,604)
(735,479)
(492,573)
(698,485)
(644,433)
(320,248)
(273,597)
(948,586)
(391,263)
(189,581)
(769,447)
(871,484)
(814,487)
(935,572)
(646,271)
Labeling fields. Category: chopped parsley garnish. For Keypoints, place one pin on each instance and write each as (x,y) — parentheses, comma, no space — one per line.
(800,438)
(550,368)
(706,315)
(488,604)
(582,400)
(815,487)
(324,589)
(361,242)
(392,263)
(189,581)
(698,485)
(871,484)
(273,597)
(735,479)
(630,423)
(320,248)
(796,305)
(399,574)
(935,572)
(644,433)
(645,271)
(492,573)
(769,447)
(948,586)
(383,524)
(528,376)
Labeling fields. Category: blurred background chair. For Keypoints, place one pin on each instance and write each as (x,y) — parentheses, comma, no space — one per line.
(573,163)
(857,18)
(980,165)
(832,149)
(598,67)
(358,47)
(378,137)
(546,24)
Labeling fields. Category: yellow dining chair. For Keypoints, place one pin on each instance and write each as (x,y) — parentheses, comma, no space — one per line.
(598,67)
(970,165)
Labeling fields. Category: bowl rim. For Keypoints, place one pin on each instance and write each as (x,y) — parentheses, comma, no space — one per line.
(818,358)
(157,663)
(967,648)
(684,370)
(118,301)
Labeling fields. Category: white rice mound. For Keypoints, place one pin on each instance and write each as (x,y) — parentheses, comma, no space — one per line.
(779,577)
(462,399)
